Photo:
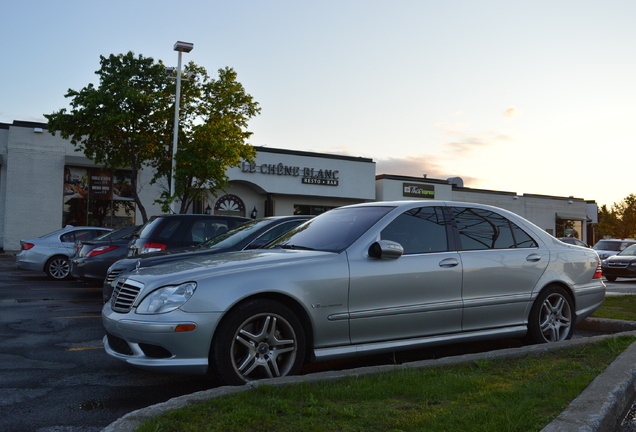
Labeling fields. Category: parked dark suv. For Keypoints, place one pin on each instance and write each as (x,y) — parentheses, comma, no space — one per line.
(179,231)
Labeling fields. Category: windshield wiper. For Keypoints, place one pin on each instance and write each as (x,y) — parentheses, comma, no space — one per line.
(295,247)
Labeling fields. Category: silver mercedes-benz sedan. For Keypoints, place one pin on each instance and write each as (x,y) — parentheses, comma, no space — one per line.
(357,280)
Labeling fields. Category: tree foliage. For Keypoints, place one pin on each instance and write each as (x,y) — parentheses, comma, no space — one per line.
(620,220)
(126,122)
(212,134)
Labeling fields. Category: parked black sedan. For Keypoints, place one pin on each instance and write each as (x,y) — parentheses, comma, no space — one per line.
(92,258)
(249,235)
(622,265)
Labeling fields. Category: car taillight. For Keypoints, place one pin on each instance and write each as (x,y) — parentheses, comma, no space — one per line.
(599,270)
(27,246)
(100,250)
(153,247)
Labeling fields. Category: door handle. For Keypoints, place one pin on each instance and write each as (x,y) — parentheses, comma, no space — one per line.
(449,262)
(533,257)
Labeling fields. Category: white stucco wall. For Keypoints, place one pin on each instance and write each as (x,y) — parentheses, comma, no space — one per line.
(32,182)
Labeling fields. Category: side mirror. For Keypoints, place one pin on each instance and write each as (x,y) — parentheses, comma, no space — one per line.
(386,249)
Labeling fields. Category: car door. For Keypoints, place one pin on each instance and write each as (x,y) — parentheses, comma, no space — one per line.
(415,295)
(502,265)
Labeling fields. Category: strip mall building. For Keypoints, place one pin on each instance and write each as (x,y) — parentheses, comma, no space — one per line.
(45,184)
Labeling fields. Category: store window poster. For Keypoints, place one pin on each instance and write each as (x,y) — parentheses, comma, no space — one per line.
(75,183)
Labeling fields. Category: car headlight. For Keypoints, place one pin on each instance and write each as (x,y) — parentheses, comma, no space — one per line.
(166,299)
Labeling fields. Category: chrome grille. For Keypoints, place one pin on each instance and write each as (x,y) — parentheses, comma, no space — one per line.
(124,294)
(112,275)
(617,264)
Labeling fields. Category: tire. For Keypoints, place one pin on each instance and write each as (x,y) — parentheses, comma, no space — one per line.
(58,267)
(258,339)
(610,278)
(551,317)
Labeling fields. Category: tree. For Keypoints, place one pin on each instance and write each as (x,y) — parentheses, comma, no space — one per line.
(212,135)
(620,221)
(127,122)
(122,122)
(626,211)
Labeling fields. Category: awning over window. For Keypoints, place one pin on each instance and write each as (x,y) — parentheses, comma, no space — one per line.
(573,216)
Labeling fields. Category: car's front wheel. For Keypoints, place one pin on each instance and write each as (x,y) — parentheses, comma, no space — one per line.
(551,317)
(58,267)
(259,339)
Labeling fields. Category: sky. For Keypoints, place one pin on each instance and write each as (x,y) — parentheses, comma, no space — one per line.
(532,97)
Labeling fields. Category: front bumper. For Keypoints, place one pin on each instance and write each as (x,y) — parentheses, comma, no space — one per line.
(624,272)
(150,341)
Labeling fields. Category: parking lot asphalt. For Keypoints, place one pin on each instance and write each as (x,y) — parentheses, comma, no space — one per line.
(600,408)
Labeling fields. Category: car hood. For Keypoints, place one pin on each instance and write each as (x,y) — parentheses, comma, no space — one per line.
(196,267)
(622,259)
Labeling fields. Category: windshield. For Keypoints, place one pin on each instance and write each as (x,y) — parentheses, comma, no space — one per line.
(630,251)
(333,231)
(234,235)
(119,233)
(607,245)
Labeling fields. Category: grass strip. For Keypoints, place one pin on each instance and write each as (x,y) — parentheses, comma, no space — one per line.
(618,307)
(502,394)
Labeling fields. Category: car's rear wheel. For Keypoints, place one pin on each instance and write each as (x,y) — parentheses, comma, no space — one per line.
(58,267)
(551,317)
(259,339)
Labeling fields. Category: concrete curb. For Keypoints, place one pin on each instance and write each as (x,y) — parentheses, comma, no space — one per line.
(600,408)
(604,403)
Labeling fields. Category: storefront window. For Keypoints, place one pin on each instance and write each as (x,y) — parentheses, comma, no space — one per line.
(300,209)
(569,228)
(95,197)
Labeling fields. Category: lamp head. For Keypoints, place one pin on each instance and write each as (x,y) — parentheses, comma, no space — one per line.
(183,46)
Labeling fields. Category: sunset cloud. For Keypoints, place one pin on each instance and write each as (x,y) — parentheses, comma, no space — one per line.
(511,112)
(462,141)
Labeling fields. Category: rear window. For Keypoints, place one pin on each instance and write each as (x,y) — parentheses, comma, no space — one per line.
(149,227)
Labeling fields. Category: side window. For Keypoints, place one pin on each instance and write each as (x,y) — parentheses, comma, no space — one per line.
(204,230)
(79,235)
(483,229)
(522,238)
(169,230)
(421,230)
(68,237)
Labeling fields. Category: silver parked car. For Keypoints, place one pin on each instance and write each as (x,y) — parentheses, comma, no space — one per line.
(51,253)
(356,280)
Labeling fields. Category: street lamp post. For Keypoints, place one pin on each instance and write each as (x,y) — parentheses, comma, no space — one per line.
(181,47)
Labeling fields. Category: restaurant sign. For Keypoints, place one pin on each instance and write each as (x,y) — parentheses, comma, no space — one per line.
(418,190)
(313,176)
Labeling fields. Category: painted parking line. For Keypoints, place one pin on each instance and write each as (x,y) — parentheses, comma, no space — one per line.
(84,349)
(66,289)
